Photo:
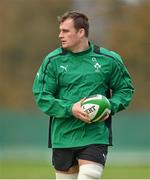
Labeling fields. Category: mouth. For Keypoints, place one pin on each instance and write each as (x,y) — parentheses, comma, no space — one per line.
(63,41)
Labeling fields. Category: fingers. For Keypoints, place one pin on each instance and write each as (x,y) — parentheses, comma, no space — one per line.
(84,117)
(79,113)
(82,100)
(105,117)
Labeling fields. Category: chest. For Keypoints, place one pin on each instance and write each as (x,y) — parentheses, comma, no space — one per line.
(82,71)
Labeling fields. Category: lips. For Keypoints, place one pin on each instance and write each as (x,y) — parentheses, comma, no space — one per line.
(63,41)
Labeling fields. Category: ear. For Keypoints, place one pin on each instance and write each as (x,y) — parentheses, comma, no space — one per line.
(81,32)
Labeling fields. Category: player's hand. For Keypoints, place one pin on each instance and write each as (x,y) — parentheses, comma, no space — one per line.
(105,117)
(78,112)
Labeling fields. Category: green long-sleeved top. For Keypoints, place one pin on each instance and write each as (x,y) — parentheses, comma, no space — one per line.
(66,77)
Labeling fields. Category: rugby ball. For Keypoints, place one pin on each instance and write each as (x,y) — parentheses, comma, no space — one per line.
(96,106)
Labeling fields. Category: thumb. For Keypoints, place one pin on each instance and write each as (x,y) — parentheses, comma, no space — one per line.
(81,101)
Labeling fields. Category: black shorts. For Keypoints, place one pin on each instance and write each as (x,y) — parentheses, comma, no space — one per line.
(64,158)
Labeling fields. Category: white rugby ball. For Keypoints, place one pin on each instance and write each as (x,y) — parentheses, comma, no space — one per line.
(96,106)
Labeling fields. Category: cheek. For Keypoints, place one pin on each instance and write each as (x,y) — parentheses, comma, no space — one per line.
(73,39)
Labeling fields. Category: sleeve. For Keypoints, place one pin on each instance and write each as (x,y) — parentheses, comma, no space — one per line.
(44,91)
(121,86)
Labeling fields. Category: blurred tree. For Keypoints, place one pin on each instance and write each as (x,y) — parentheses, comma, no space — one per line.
(28,32)
(129,34)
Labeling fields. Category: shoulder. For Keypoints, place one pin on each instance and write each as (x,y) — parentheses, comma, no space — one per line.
(111,54)
(56,53)
(107,53)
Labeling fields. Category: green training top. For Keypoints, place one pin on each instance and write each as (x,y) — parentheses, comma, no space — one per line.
(65,78)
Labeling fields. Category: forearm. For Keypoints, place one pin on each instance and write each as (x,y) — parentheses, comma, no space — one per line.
(120,100)
(52,106)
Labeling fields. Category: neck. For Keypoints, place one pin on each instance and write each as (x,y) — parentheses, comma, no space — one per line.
(82,46)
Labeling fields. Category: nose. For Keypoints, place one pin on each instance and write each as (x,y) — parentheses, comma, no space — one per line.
(60,35)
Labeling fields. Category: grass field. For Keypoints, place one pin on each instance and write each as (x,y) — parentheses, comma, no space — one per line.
(42,170)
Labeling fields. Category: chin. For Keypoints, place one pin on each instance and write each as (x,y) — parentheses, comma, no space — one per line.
(64,46)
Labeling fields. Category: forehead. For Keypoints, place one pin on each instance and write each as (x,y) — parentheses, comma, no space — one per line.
(67,24)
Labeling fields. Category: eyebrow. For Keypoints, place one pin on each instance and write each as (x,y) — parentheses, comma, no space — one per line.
(63,29)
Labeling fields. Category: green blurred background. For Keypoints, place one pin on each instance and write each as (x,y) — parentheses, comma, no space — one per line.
(29,31)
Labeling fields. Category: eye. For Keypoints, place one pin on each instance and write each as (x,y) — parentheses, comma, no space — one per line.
(65,30)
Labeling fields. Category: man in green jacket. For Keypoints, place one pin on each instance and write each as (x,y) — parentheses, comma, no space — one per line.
(76,70)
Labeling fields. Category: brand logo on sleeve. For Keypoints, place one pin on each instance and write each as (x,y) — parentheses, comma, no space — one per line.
(38,75)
